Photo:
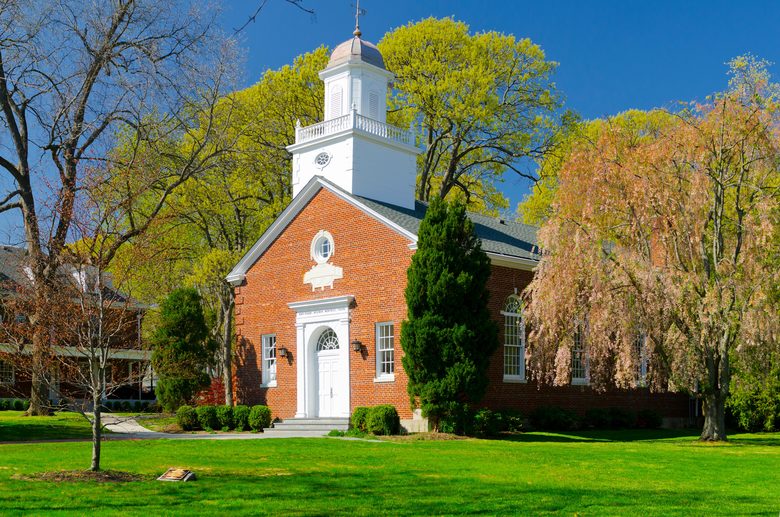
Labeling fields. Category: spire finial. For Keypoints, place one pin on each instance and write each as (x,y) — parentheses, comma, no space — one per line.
(358,13)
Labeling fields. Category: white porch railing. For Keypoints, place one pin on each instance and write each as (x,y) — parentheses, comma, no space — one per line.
(353,120)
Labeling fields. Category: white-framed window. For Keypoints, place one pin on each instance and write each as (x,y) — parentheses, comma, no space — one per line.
(642,359)
(385,351)
(579,357)
(514,340)
(6,373)
(322,247)
(269,360)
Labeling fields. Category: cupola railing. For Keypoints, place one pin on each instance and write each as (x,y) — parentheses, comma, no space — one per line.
(353,120)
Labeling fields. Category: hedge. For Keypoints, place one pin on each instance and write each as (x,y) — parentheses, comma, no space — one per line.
(225,417)
(383,420)
(358,419)
(259,417)
(187,418)
(207,417)
(241,418)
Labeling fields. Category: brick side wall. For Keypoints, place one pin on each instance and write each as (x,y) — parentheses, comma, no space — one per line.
(527,396)
(375,259)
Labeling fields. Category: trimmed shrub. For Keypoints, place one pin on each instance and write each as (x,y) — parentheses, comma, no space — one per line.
(225,417)
(18,405)
(4,405)
(597,418)
(383,420)
(241,417)
(26,405)
(358,419)
(259,417)
(207,417)
(648,419)
(137,406)
(512,420)
(126,406)
(553,418)
(487,423)
(621,418)
(144,406)
(187,418)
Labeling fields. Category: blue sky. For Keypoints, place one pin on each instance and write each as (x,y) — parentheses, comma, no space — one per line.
(612,55)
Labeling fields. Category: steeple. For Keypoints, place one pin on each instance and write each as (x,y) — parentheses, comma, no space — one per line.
(354,147)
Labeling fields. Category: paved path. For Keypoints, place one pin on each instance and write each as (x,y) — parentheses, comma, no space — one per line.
(125,428)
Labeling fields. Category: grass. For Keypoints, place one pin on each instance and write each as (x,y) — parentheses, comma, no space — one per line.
(16,427)
(595,473)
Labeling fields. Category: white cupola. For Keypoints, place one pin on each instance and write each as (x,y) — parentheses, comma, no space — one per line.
(354,147)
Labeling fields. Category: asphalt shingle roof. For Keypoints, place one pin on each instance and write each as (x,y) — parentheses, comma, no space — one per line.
(497,236)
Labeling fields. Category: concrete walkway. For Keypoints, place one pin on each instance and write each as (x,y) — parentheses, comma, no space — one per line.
(127,428)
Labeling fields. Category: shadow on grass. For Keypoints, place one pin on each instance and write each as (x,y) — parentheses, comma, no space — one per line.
(604,436)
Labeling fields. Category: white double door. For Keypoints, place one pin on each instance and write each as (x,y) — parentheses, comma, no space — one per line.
(328,383)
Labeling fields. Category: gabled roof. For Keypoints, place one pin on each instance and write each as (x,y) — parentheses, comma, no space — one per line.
(505,242)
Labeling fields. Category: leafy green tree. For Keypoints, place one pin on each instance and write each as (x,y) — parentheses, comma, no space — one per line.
(181,349)
(449,336)
(484,103)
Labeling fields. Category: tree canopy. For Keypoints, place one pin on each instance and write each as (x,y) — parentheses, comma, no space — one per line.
(484,104)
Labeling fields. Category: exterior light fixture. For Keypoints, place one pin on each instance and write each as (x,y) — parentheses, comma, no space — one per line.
(283,352)
(357,346)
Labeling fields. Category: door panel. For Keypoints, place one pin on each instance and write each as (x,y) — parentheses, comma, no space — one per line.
(328,370)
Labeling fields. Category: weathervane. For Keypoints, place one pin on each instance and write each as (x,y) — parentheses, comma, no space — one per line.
(358,13)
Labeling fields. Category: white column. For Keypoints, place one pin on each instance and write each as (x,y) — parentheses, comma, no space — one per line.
(300,364)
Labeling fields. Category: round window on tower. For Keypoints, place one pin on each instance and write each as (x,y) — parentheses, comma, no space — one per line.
(322,247)
(322,160)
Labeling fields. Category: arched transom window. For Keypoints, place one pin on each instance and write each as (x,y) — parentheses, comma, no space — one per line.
(328,341)
(514,339)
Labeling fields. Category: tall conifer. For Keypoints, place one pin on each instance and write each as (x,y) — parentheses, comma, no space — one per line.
(449,336)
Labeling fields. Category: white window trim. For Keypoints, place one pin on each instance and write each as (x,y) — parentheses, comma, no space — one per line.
(265,383)
(582,381)
(644,362)
(382,377)
(515,379)
(13,375)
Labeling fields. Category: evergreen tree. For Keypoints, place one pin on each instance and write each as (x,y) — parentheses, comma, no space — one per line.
(449,336)
(181,349)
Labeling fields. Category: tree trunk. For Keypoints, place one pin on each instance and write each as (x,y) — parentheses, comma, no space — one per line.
(39,397)
(97,432)
(227,348)
(714,417)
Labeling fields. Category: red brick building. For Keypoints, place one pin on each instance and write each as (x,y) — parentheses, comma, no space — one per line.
(320,297)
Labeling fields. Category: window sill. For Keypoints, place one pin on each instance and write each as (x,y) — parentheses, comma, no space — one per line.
(514,379)
(384,378)
(580,382)
(269,385)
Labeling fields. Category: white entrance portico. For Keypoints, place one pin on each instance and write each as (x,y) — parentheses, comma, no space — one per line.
(322,357)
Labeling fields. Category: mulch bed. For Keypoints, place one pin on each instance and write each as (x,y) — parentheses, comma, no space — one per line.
(416,437)
(103,476)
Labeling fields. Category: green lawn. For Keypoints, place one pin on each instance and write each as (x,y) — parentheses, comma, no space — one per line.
(14,426)
(629,473)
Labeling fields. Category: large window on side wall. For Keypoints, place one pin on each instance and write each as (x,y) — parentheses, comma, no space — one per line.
(514,340)
(385,351)
(642,359)
(269,360)
(6,373)
(579,356)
